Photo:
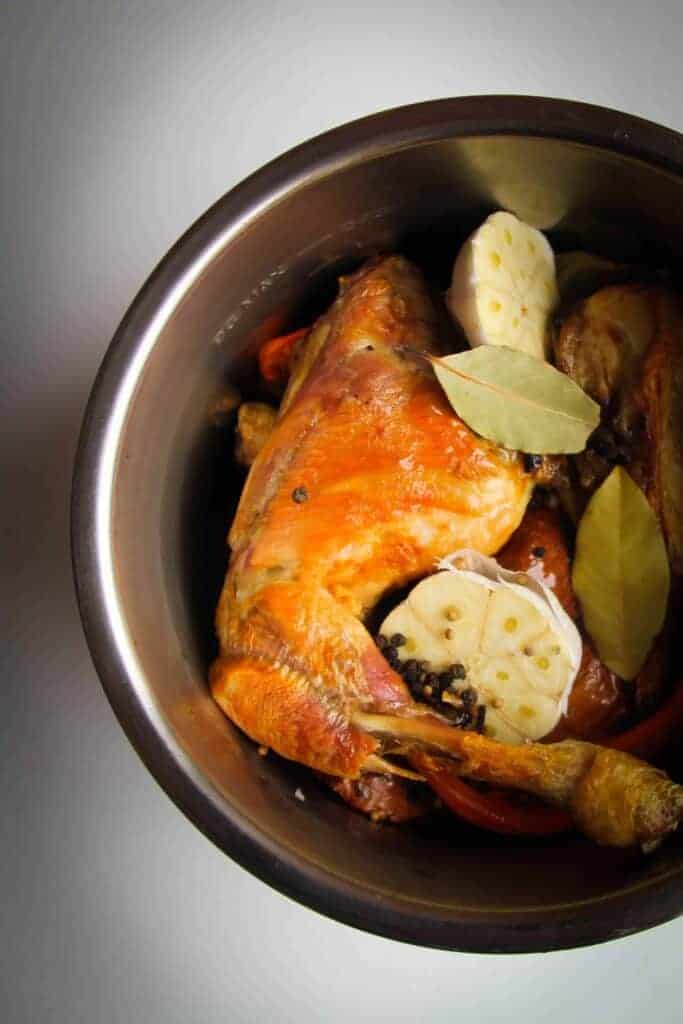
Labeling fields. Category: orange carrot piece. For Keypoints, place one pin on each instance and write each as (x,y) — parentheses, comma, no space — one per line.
(275,355)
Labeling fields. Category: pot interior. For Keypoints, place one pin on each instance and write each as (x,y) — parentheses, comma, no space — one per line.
(176,488)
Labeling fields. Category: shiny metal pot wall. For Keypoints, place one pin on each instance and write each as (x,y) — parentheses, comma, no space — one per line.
(155,487)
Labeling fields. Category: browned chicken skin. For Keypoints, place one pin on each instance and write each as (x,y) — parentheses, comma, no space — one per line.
(382,797)
(367,479)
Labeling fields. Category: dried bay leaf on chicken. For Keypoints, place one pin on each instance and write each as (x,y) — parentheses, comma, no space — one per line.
(621,574)
(517,401)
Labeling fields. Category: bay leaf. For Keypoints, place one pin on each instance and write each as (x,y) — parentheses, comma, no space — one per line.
(517,400)
(621,573)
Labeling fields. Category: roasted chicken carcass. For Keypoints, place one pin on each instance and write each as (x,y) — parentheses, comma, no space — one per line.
(366,480)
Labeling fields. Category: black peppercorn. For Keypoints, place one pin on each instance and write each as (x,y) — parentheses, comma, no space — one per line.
(410,671)
(532,462)
(538,552)
(299,495)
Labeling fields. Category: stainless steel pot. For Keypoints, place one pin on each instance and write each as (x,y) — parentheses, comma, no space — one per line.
(154,490)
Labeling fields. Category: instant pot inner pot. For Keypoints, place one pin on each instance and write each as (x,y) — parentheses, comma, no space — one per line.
(176,488)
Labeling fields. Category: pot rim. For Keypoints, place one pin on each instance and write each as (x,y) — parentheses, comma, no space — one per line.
(496,931)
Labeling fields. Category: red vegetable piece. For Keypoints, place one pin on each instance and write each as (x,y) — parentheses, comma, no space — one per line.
(275,355)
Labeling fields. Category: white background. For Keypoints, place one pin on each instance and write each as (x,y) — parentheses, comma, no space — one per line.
(121,123)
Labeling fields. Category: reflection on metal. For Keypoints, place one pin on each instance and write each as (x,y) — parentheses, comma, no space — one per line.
(528,181)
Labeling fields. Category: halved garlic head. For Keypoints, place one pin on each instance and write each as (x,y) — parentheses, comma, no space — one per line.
(504,288)
(519,648)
